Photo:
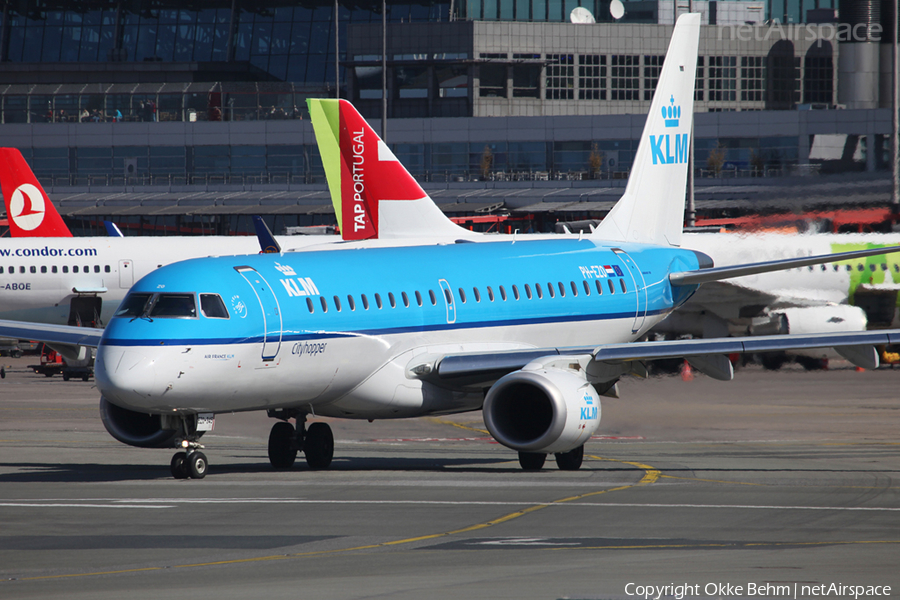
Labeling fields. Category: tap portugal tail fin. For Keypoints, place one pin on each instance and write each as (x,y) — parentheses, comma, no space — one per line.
(374,196)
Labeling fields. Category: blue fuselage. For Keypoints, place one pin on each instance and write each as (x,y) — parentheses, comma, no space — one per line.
(334,330)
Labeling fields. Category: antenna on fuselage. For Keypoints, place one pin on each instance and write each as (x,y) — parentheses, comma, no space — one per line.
(267,242)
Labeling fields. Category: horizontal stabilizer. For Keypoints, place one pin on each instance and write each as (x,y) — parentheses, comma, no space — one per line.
(719,273)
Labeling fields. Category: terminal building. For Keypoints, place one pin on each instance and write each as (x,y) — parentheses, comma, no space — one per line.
(190,116)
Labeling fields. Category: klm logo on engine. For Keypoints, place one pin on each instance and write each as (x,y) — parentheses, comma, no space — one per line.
(670,148)
(589,412)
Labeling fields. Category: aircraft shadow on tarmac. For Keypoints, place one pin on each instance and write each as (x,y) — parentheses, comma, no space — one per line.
(94,472)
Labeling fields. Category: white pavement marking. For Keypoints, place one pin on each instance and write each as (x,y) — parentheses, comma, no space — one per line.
(155,503)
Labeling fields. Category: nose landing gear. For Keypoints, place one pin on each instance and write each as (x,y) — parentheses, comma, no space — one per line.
(191,463)
(285,441)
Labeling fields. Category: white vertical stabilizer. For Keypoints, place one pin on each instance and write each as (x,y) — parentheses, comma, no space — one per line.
(651,210)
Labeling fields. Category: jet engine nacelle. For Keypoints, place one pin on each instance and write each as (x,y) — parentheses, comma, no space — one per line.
(134,428)
(542,410)
(812,319)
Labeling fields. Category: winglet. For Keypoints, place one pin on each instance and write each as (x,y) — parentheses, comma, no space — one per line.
(373,195)
(112,230)
(651,210)
(30,212)
(267,242)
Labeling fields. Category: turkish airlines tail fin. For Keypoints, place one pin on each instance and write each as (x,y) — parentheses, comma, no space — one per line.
(30,212)
(651,210)
(374,196)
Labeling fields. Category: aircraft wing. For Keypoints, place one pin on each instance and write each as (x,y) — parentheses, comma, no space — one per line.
(63,335)
(482,368)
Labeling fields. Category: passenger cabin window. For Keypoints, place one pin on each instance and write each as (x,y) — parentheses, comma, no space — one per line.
(1,270)
(622,285)
(515,292)
(65,269)
(540,292)
(612,288)
(477,294)
(309,305)
(448,296)
(587,288)
(462,295)
(490,293)
(365,301)
(96,268)
(75,269)
(433,297)
(599,287)
(33,269)
(43,269)
(562,290)
(528,291)
(350,302)
(212,307)
(324,304)
(106,269)
(378,300)
(418,298)
(53,269)
(574,288)
(392,300)
(550,290)
(337,303)
(174,306)
(503,293)
(405,299)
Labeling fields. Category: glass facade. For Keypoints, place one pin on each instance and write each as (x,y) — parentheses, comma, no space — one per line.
(287,41)
(440,161)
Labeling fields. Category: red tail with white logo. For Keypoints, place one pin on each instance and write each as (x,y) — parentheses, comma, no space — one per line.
(374,196)
(28,208)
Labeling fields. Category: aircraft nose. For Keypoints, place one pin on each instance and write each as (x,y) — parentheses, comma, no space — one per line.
(126,376)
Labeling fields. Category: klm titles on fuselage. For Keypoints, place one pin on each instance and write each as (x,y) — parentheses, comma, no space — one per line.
(662,146)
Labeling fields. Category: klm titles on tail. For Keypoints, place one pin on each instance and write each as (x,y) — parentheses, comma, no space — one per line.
(671,115)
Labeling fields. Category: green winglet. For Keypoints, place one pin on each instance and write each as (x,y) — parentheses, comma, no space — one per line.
(326,119)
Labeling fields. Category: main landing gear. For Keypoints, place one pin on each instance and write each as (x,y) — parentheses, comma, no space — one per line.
(566,461)
(285,441)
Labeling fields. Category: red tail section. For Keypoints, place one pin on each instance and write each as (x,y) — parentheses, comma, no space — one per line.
(370,173)
(29,210)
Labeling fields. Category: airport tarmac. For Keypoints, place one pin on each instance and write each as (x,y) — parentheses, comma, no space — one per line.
(781,479)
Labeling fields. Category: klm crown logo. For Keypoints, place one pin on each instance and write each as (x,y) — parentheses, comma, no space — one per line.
(669,149)
(671,113)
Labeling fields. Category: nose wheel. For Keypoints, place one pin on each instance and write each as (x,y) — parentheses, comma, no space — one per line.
(189,465)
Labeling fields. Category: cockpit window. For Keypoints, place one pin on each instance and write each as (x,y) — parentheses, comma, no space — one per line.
(174,306)
(211,306)
(133,306)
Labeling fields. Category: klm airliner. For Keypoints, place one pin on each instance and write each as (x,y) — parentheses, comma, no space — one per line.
(533,332)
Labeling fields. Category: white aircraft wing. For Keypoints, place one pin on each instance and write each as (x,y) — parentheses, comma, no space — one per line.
(482,368)
(51,334)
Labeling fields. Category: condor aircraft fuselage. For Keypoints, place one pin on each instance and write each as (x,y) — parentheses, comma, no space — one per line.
(64,280)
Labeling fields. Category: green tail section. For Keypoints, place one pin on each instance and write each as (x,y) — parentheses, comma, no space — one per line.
(326,120)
